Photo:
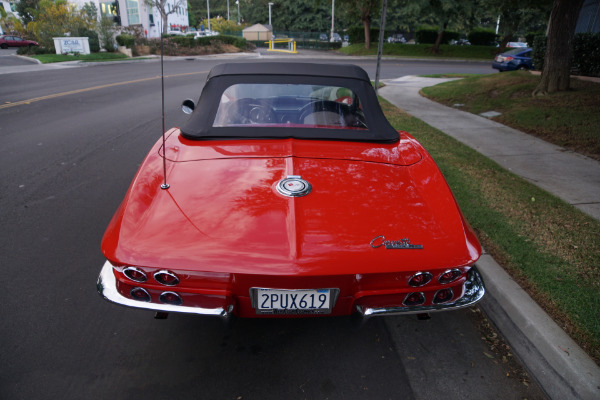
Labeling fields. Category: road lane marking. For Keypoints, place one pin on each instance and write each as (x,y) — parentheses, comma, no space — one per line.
(53,96)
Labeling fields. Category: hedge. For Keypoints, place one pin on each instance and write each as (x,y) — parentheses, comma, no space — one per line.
(586,53)
(125,40)
(429,34)
(482,37)
(93,40)
(538,52)
(191,41)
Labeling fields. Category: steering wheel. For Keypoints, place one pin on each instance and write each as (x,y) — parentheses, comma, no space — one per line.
(320,106)
(251,111)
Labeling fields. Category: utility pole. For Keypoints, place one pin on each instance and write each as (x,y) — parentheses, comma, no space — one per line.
(332,18)
(270,4)
(208,13)
(380,47)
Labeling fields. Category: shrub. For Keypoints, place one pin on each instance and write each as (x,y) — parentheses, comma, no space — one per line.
(187,45)
(449,36)
(539,52)
(29,50)
(185,41)
(106,32)
(126,40)
(357,34)
(530,37)
(586,54)
(427,34)
(92,39)
(482,37)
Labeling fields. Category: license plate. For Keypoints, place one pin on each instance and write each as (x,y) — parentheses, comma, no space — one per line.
(296,301)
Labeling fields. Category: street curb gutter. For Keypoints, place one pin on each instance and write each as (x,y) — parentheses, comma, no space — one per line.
(561,368)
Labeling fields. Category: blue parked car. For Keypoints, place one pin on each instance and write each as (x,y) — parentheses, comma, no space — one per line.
(511,60)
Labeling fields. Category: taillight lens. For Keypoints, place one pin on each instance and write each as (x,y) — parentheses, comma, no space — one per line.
(138,293)
(135,274)
(449,276)
(508,58)
(420,279)
(414,299)
(443,296)
(170,298)
(166,278)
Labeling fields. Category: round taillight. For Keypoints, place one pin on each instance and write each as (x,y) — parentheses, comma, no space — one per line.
(414,299)
(166,278)
(170,298)
(138,293)
(135,274)
(449,276)
(420,279)
(443,296)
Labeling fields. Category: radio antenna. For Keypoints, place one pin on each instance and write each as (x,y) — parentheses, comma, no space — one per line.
(164,185)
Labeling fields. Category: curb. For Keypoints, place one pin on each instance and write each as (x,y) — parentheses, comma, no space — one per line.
(32,60)
(561,368)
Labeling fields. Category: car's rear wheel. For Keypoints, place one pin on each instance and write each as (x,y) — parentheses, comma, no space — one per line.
(4,46)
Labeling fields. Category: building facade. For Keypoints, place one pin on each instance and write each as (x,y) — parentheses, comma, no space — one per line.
(9,8)
(138,13)
(589,17)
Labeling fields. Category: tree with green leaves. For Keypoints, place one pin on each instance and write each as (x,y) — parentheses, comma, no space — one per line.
(106,33)
(364,11)
(27,10)
(445,14)
(54,19)
(519,16)
(10,23)
(559,49)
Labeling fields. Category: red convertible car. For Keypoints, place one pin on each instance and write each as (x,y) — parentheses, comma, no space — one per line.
(288,194)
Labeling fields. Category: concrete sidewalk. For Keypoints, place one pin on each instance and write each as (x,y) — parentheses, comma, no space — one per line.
(570,176)
(559,365)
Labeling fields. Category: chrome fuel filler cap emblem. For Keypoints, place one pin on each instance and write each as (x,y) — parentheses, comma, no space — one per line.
(293,186)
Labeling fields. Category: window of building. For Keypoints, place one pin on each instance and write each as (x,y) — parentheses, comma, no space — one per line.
(109,9)
(133,12)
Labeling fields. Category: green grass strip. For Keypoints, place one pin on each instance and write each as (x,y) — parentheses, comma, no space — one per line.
(549,246)
(54,58)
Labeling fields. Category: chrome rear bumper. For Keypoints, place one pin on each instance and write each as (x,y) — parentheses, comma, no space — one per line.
(474,291)
(107,287)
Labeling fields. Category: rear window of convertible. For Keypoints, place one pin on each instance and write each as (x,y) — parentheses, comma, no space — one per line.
(290,105)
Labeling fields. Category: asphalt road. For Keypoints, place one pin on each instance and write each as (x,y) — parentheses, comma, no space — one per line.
(72,140)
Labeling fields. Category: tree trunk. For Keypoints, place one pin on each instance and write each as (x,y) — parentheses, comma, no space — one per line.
(367,26)
(438,40)
(557,63)
(507,37)
(164,16)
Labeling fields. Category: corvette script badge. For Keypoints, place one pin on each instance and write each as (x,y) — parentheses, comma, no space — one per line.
(394,244)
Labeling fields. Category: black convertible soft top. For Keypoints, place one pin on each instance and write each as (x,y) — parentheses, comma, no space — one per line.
(280,68)
(200,125)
